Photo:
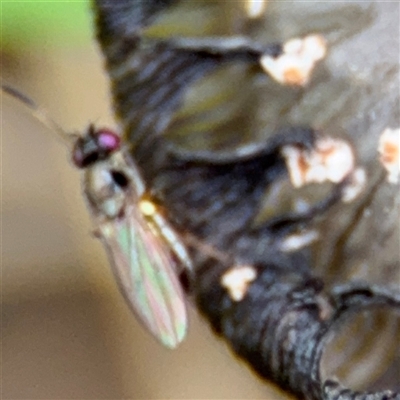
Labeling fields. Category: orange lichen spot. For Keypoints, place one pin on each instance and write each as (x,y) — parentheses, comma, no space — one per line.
(294,76)
(330,160)
(237,280)
(295,65)
(389,150)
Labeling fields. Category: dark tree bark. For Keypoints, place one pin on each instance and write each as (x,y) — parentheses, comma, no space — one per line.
(206,126)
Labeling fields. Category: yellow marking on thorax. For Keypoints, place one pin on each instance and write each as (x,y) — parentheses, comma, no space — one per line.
(147,208)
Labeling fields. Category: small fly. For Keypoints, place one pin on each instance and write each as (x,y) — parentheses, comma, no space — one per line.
(141,245)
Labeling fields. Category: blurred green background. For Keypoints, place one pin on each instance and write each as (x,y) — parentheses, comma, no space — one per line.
(55,23)
(67,333)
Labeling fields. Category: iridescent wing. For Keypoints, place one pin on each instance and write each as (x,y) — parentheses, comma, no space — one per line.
(146,275)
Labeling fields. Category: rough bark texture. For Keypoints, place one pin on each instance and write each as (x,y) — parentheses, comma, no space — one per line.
(206,126)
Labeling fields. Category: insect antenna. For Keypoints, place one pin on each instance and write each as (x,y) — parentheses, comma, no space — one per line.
(40,114)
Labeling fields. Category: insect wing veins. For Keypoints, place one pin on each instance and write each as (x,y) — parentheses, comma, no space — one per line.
(146,275)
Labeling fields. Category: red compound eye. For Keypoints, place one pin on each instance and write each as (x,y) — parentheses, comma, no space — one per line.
(108,140)
(94,146)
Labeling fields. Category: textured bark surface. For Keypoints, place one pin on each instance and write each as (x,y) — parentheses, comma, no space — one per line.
(206,126)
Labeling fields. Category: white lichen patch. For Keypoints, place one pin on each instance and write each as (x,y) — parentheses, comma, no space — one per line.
(356,183)
(295,65)
(297,241)
(389,150)
(237,281)
(330,160)
(255,8)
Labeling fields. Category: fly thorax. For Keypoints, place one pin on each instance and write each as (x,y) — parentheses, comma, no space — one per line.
(105,194)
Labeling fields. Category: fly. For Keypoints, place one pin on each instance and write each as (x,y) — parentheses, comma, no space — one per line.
(138,239)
